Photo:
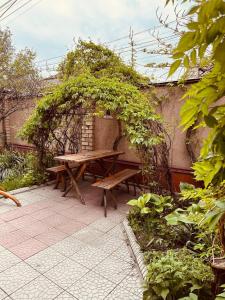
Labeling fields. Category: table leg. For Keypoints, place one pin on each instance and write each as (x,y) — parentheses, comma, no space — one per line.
(73,181)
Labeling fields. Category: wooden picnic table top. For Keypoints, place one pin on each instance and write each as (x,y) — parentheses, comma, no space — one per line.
(87,156)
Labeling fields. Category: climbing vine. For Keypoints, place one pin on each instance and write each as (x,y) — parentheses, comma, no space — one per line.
(86,93)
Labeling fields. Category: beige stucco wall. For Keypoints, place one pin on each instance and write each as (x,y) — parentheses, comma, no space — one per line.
(16,121)
(105,129)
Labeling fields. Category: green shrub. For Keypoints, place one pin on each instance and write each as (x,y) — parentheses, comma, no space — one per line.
(173,275)
(146,217)
(19,170)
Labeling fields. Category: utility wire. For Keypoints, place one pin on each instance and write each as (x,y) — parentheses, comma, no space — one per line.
(8,8)
(18,8)
(25,10)
(4,4)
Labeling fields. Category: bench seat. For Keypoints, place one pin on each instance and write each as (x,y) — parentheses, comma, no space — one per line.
(110,182)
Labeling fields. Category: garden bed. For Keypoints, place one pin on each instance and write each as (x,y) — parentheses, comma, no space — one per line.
(168,256)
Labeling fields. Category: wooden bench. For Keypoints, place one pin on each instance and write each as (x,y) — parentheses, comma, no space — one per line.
(60,172)
(109,183)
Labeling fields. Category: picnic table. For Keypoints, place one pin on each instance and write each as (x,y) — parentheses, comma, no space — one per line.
(83,159)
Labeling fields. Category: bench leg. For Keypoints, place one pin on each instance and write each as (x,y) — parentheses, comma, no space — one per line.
(113,199)
(57,181)
(135,191)
(128,188)
(105,202)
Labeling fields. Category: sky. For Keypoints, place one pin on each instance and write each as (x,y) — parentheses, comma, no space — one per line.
(50,27)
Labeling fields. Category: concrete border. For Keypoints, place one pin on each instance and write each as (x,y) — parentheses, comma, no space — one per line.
(137,253)
(27,189)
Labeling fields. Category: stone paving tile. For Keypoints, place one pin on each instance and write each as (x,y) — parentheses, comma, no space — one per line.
(40,288)
(89,256)
(66,273)
(56,220)
(13,238)
(71,227)
(118,232)
(36,228)
(91,287)
(132,283)
(107,243)
(51,236)
(87,234)
(22,221)
(6,227)
(123,253)
(74,212)
(103,224)
(3,295)
(28,248)
(16,277)
(122,294)
(45,260)
(115,216)
(68,246)
(42,214)
(65,296)
(7,260)
(13,214)
(58,207)
(113,268)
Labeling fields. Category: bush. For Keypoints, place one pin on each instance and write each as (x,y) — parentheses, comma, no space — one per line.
(149,225)
(176,274)
(19,170)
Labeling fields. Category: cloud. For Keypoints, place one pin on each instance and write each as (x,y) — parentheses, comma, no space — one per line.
(50,27)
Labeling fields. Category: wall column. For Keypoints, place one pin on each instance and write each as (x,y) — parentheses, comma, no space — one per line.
(87,135)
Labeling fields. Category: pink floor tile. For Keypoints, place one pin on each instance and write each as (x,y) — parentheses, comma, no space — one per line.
(2,221)
(28,209)
(6,228)
(90,217)
(13,214)
(42,214)
(28,248)
(71,227)
(56,220)
(75,211)
(22,221)
(61,206)
(36,228)
(51,236)
(14,238)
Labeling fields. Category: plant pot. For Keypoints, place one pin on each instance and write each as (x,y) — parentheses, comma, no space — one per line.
(218,267)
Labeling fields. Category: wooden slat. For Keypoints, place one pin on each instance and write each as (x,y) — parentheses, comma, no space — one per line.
(110,182)
(87,156)
(56,169)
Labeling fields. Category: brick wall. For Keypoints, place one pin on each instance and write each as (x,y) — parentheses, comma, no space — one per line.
(87,135)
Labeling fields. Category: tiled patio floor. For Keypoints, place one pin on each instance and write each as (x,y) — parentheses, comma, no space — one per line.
(56,248)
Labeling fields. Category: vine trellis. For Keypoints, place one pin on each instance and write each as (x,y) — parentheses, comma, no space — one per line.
(56,123)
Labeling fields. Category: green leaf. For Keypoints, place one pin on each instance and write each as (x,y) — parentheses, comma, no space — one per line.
(175,65)
(193,57)
(132,202)
(145,210)
(186,61)
(164,293)
(210,121)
